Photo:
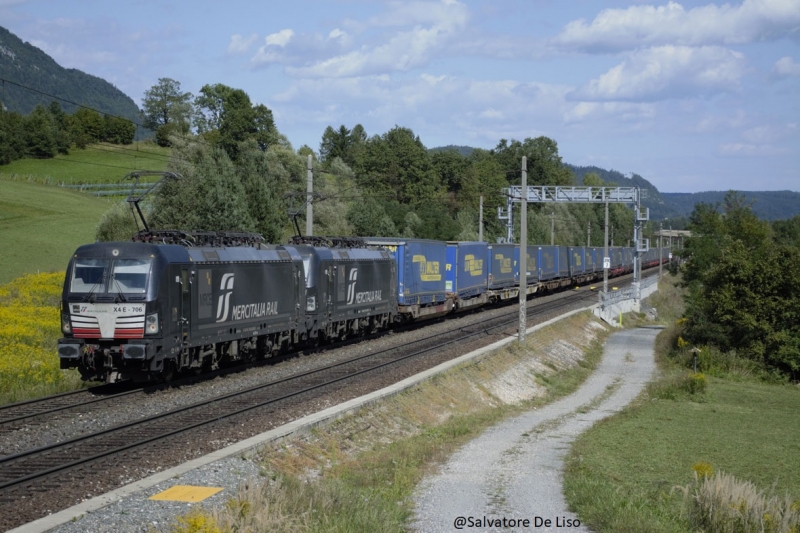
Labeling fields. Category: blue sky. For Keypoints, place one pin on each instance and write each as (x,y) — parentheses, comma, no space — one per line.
(692,95)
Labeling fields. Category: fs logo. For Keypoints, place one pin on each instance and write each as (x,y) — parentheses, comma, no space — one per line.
(223,306)
(351,288)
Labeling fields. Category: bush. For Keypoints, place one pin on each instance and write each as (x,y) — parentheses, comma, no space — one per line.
(722,503)
(695,383)
(117,224)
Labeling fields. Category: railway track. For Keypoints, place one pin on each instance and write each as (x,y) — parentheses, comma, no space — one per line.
(12,416)
(37,468)
(26,475)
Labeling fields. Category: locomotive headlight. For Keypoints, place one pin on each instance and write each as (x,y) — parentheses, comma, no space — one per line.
(65,326)
(151,324)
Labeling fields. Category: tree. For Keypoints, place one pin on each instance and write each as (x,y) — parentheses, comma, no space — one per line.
(336,189)
(348,145)
(263,191)
(61,121)
(12,144)
(117,224)
(484,177)
(87,127)
(226,116)
(40,140)
(398,165)
(787,231)
(369,219)
(544,164)
(265,134)
(210,197)
(118,130)
(743,290)
(164,103)
(451,168)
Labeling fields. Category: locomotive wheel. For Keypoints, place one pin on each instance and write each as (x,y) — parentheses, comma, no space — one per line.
(169,372)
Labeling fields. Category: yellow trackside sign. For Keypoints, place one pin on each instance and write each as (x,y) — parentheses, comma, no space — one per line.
(428,270)
(472,265)
(504,262)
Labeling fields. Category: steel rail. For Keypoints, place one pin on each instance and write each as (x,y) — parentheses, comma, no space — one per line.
(216,417)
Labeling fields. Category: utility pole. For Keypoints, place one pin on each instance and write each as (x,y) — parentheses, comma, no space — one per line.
(606,257)
(523,254)
(589,235)
(309,203)
(669,246)
(553,227)
(660,249)
(480,221)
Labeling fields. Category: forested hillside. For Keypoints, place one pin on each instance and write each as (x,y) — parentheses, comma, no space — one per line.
(24,64)
(766,205)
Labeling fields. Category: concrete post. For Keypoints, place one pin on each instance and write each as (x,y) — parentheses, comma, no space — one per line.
(309,202)
(523,254)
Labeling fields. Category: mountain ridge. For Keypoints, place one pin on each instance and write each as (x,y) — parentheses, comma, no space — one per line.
(35,78)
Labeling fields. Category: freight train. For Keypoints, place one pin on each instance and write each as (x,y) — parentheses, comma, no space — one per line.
(178,302)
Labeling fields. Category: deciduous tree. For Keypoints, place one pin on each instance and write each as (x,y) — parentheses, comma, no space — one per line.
(164,103)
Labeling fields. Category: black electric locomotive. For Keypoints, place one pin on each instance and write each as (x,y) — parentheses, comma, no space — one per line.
(144,311)
(137,310)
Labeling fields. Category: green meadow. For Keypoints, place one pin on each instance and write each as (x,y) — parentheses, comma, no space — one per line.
(41,226)
(98,163)
(631,472)
(42,222)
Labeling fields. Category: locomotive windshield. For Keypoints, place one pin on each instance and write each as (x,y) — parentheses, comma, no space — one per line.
(128,276)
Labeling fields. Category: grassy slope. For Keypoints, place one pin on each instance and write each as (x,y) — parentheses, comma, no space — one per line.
(41,226)
(621,473)
(100,163)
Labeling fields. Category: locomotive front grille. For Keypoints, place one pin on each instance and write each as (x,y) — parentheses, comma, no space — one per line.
(107,321)
(85,327)
(129,327)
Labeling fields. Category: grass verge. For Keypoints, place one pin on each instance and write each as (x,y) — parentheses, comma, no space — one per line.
(623,473)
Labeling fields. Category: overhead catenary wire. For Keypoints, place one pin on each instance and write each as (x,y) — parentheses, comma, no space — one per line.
(43,93)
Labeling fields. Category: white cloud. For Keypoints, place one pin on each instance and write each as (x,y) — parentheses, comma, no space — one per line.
(272,50)
(786,66)
(619,111)
(336,33)
(750,150)
(667,72)
(413,13)
(240,45)
(646,25)
(482,111)
(492,113)
(424,28)
(714,123)
(281,38)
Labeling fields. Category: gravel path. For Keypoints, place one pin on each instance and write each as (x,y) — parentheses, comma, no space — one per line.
(513,471)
